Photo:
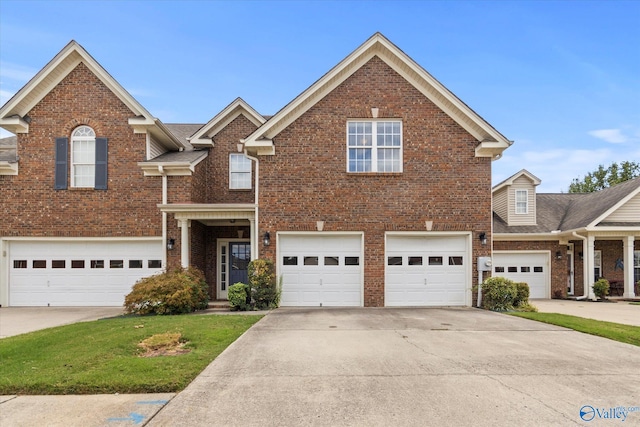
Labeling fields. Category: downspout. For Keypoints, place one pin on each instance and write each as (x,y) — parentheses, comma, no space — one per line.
(256,235)
(162,172)
(585,267)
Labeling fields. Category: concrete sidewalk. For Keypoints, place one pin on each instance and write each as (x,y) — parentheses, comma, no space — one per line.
(616,311)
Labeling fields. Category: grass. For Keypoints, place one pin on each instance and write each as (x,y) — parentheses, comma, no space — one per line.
(634,303)
(104,357)
(614,331)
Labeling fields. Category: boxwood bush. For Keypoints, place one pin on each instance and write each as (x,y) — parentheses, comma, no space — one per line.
(172,292)
(601,288)
(238,296)
(502,294)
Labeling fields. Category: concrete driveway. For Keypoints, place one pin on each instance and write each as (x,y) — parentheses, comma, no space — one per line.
(20,320)
(466,367)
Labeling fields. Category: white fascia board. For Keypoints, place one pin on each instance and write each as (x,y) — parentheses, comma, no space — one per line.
(613,208)
(169,169)
(236,108)
(8,168)
(509,181)
(14,124)
(379,46)
(514,237)
(157,129)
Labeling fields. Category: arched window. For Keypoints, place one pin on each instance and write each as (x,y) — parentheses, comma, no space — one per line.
(83,157)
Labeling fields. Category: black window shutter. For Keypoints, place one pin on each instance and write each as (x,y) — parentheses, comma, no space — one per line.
(101,164)
(62,153)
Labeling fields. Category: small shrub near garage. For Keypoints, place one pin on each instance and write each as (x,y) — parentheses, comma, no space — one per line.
(601,288)
(261,293)
(173,292)
(501,294)
(237,295)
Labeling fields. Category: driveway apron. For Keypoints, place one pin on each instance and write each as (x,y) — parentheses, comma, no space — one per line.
(354,367)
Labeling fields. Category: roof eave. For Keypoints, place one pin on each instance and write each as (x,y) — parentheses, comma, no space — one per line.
(8,168)
(14,124)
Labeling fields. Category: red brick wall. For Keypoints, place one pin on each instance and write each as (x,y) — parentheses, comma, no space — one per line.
(226,142)
(442,181)
(127,208)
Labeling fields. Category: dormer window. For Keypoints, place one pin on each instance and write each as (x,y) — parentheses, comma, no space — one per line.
(522,201)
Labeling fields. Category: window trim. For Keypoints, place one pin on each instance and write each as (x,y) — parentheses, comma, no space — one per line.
(374,147)
(243,172)
(526,201)
(76,139)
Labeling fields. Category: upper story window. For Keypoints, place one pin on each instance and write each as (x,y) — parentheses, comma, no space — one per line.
(88,167)
(239,172)
(374,146)
(522,201)
(83,157)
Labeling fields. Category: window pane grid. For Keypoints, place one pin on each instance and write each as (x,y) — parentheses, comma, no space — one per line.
(239,172)
(83,157)
(362,157)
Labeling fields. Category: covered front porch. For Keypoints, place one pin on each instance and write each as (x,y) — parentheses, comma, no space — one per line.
(218,239)
(610,254)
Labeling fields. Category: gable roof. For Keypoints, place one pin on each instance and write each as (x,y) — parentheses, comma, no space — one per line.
(509,181)
(575,211)
(491,142)
(204,136)
(13,114)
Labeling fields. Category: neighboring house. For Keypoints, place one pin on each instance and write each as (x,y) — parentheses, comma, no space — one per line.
(371,188)
(561,243)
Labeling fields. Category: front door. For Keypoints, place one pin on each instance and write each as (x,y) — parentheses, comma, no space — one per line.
(233,259)
(239,258)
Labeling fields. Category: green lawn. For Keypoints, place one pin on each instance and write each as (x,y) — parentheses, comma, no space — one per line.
(103,356)
(615,331)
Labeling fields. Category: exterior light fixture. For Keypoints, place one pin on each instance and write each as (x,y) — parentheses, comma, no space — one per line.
(171,244)
(266,240)
(558,255)
(581,255)
(483,238)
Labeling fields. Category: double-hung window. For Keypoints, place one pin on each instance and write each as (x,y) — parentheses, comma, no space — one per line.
(83,157)
(88,160)
(374,146)
(239,172)
(522,201)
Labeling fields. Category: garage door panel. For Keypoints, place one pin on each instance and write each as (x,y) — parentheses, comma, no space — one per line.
(527,267)
(426,271)
(321,270)
(78,283)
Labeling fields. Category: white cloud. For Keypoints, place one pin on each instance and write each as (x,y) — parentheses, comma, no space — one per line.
(613,136)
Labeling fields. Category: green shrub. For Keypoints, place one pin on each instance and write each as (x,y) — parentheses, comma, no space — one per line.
(601,288)
(526,307)
(522,294)
(498,294)
(172,292)
(237,295)
(262,280)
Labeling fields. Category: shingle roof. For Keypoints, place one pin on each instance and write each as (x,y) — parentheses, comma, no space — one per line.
(183,130)
(8,149)
(570,211)
(187,156)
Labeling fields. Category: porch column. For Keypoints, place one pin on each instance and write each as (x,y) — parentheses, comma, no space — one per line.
(590,253)
(184,225)
(253,233)
(629,288)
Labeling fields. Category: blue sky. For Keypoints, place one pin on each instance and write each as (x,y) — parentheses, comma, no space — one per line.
(560,78)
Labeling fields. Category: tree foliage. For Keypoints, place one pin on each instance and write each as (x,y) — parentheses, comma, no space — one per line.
(603,177)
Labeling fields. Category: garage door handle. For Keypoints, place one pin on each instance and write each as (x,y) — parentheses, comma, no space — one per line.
(425,281)
(320,282)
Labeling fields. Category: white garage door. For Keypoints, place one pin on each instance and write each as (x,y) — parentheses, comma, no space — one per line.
(321,271)
(528,267)
(78,273)
(426,271)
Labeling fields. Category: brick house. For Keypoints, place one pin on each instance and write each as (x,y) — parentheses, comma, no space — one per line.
(371,188)
(561,243)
